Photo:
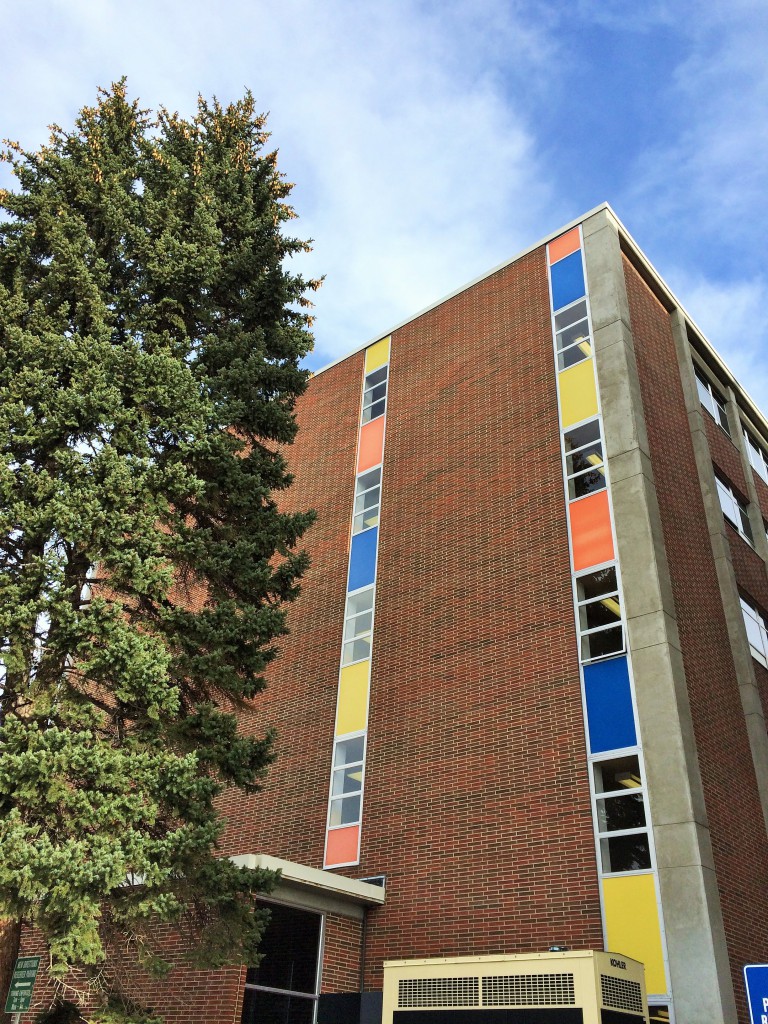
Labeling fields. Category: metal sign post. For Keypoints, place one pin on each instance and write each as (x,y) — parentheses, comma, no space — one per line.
(756,981)
(22,983)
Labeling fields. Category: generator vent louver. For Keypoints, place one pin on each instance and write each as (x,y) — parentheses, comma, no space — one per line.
(529,990)
(438,992)
(621,994)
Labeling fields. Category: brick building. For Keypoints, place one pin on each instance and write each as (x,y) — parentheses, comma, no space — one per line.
(523,703)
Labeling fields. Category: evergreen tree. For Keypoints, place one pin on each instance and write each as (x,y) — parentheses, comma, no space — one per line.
(150,336)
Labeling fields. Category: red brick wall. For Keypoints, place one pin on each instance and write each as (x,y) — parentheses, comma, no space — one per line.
(186,995)
(476,804)
(342,946)
(725,454)
(735,818)
(287,819)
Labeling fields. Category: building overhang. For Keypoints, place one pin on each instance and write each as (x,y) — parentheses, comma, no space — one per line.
(314,889)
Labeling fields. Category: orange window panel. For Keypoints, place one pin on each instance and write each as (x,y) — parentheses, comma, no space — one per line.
(564,245)
(371,444)
(342,846)
(591,536)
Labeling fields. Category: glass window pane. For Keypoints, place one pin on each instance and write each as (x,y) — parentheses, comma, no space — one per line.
(617,773)
(597,584)
(626,853)
(658,1015)
(368,500)
(571,315)
(377,409)
(358,624)
(290,945)
(575,334)
(589,457)
(362,601)
(573,355)
(349,751)
(345,811)
(604,612)
(356,650)
(380,391)
(368,480)
(621,812)
(746,526)
(602,644)
(349,780)
(586,483)
(365,520)
(274,1008)
(722,417)
(587,433)
(376,377)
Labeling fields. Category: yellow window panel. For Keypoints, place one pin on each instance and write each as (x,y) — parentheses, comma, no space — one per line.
(376,355)
(578,394)
(352,707)
(632,925)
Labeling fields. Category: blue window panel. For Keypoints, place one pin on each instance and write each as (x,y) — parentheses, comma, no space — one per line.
(362,559)
(610,719)
(567,280)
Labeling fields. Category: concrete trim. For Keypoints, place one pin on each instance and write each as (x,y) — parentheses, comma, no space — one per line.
(693,924)
(310,887)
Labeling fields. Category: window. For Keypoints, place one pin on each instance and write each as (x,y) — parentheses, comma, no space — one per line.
(375,394)
(358,627)
(621,824)
(572,335)
(757,456)
(757,633)
(347,782)
(584,465)
(712,400)
(367,501)
(734,509)
(601,633)
(284,988)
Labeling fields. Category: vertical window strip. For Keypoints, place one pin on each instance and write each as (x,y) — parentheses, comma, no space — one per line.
(345,798)
(623,837)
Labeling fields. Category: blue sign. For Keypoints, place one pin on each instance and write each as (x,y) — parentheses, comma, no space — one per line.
(756,980)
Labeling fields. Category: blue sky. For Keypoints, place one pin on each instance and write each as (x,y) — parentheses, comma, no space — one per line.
(430,140)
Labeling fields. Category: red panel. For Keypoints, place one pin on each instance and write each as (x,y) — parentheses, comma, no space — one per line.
(564,245)
(343,846)
(371,444)
(591,534)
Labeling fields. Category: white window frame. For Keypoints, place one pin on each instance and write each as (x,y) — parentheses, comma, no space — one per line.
(368,390)
(602,834)
(757,631)
(345,766)
(757,456)
(735,510)
(362,511)
(614,594)
(350,637)
(712,400)
(575,451)
(584,343)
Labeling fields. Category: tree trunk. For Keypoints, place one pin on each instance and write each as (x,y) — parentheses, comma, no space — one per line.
(10,940)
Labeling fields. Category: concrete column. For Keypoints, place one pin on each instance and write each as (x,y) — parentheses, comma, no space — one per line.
(695,935)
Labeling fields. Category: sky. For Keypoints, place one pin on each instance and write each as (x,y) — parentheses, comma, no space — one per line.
(430,140)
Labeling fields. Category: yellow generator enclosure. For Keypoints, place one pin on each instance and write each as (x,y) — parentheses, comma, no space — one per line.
(570,987)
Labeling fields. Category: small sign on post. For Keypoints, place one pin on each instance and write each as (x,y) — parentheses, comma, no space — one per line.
(22,983)
(756,980)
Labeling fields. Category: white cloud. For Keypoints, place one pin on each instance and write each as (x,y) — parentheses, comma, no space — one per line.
(406,125)
(731,315)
